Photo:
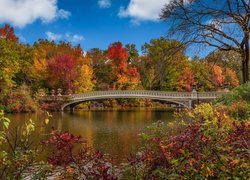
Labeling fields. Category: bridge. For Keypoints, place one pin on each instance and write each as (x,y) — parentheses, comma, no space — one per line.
(182,99)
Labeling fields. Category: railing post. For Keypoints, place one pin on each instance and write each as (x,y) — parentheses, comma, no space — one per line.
(194,97)
(190,105)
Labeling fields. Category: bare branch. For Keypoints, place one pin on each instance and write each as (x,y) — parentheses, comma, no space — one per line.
(223,25)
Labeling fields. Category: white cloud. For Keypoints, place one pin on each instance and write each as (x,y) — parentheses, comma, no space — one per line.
(53,37)
(73,38)
(63,14)
(104,3)
(143,10)
(23,12)
(217,23)
(21,38)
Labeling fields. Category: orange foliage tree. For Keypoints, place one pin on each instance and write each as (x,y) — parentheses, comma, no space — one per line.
(231,78)
(186,80)
(217,75)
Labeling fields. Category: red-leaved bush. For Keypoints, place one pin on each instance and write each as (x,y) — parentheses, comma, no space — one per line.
(78,160)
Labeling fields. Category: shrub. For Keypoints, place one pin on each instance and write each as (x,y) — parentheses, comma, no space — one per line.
(19,153)
(239,111)
(241,93)
(211,145)
(81,164)
(20,100)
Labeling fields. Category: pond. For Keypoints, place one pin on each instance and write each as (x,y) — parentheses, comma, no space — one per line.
(113,132)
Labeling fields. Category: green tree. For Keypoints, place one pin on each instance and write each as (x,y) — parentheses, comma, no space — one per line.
(9,65)
(202,73)
(101,68)
(25,62)
(132,51)
(167,58)
(98,57)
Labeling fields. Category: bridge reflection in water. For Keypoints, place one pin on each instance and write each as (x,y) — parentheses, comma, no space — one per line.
(183,99)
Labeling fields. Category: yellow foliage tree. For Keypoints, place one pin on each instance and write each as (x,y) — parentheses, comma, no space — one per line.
(39,68)
(84,82)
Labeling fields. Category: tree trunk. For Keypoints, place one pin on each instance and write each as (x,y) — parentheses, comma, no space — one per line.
(245,59)
(243,70)
(247,67)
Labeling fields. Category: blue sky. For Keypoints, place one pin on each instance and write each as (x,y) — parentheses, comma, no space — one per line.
(92,23)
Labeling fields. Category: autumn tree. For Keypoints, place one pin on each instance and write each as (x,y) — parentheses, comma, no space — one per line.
(220,24)
(7,33)
(124,75)
(186,80)
(147,72)
(151,78)
(226,59)
(43,51)
(231,78)
(61,66)
(84,82)
(202,73)
(98,57)
(118,56)
(211,77)
(217,76)
(13,56)
(61,72)
(15,60)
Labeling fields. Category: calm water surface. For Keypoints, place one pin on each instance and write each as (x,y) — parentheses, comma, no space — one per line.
(112,132)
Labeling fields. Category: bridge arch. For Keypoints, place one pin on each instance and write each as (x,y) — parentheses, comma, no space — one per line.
(185,99)
(77,102)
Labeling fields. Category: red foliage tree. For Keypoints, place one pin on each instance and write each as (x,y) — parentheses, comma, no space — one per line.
(62,72)
(119,56)
(133,72)
(7,32)
(124,77)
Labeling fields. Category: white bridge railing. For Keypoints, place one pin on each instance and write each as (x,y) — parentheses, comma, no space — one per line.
(140,93)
